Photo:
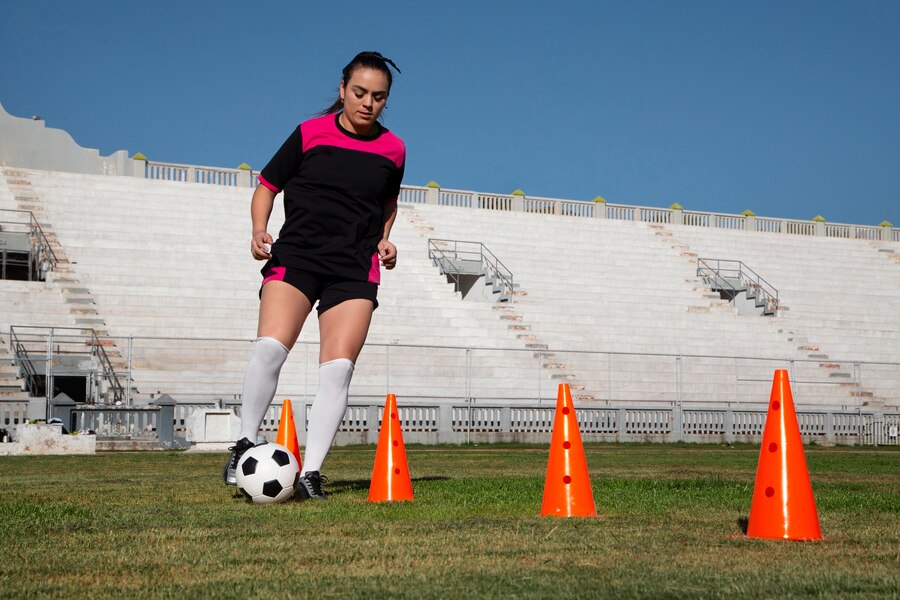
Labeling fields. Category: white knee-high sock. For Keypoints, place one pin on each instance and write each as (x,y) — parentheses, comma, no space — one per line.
(260,382)
(327,411)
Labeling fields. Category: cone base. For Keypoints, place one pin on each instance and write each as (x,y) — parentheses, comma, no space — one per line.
(593,515)
(786,538)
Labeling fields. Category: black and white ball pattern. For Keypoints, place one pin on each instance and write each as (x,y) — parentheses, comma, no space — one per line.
(267,474)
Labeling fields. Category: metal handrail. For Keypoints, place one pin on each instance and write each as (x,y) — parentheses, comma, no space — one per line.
(20,352)
(20,335)
(44,258)
(742,272)
(489,261)
(109,372)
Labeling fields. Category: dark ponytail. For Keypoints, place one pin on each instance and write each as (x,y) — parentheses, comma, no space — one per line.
(366,60)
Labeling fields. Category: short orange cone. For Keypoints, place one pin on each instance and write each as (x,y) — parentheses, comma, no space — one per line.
(783,506)
(287,431)
(567,489)
(390,475)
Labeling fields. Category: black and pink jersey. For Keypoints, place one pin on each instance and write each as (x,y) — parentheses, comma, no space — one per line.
(335,185)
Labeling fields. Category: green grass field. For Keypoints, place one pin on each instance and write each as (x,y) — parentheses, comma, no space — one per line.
(159,525)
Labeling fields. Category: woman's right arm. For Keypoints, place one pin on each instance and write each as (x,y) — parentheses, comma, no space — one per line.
(260,209)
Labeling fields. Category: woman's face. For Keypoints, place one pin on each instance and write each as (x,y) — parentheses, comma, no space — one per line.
(364,98)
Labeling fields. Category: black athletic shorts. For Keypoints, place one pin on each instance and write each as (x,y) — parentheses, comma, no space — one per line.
(316,286)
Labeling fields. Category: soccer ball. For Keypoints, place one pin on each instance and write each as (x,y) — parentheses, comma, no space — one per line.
(267,473)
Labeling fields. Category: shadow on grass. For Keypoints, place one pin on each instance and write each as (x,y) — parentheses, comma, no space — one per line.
(342,486)
(743,523)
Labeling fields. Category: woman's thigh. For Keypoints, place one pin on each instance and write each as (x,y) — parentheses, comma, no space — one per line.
(343,329)
(282,311)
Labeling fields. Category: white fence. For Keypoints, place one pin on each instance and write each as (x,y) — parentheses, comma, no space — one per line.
(553,206)
(470,423)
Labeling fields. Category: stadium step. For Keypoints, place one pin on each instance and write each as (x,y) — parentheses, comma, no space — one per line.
(507,311)
(64,278)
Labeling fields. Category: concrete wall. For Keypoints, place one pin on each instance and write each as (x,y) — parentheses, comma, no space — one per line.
(30,144)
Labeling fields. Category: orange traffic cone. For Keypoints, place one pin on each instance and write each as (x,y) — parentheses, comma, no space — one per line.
(287,431)
(783,506)
(567,489)
(390,475)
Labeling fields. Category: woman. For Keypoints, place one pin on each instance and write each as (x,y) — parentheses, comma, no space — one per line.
(340,173)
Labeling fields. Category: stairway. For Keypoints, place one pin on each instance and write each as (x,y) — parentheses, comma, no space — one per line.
(750,298)
(457,261)
(64,277)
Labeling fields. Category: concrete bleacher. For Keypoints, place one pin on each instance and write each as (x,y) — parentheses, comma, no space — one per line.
(622,286)
(171,260)
(614,307)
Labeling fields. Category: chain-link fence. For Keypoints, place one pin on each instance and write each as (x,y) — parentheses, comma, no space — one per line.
(136,370)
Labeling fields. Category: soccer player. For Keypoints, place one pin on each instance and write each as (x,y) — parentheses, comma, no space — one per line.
(340,173)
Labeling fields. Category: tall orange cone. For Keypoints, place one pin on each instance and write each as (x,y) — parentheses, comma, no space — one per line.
(390,475)
(567,489)
(287,431)
(783,506)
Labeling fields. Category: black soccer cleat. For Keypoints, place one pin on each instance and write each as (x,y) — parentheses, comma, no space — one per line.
(310,487)
(237,451)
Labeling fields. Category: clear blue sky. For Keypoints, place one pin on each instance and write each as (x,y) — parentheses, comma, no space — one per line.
(788,108)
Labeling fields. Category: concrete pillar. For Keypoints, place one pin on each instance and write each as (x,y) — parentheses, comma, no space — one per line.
(245,176)
(165,420)
(518,197)
(62,407)
(750,223)
(620,425)
(300,419)
(138,166)
(676,431)
(445,424)
(599,208)
(372,422)
(819,220)
(433,195)
(729,426)
(676,214)
(829,429)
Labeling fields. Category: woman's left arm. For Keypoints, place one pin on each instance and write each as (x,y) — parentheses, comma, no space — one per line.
(387,251)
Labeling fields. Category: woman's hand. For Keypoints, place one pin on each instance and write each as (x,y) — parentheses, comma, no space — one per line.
(387,253)
(260,245)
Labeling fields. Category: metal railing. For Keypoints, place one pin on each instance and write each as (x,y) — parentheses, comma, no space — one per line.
(449,255)
(455,394)
(720,273)
(431,423)
(41,256)
(24,364)
(201,369)
(43,353)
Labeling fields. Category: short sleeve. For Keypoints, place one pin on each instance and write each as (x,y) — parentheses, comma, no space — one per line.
(284,164)
(396,180)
